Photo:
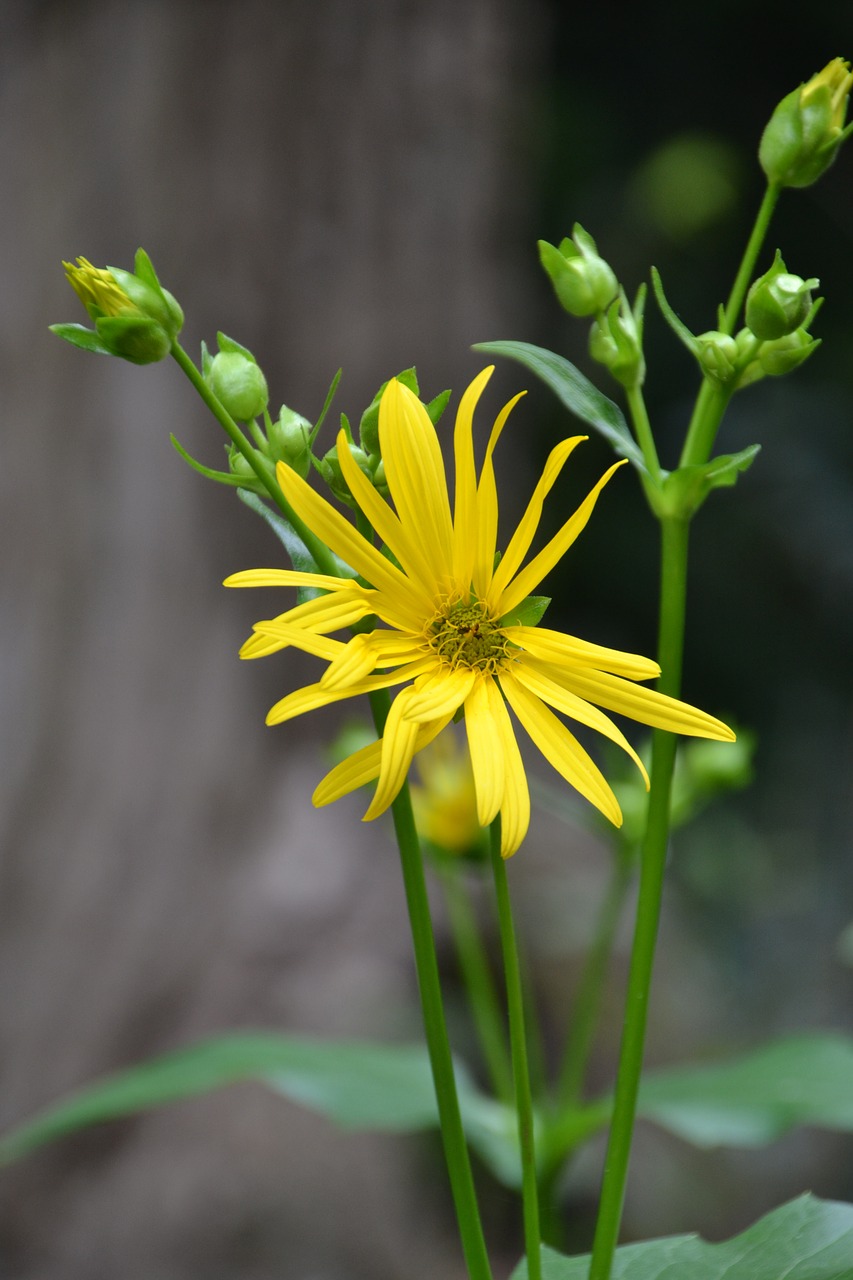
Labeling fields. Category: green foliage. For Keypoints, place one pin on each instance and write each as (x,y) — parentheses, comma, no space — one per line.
(808,1239)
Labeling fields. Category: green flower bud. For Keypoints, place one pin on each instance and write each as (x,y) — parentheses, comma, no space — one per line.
(788,353)
(290,441)
(807,128)
(778,303)
(330,470)
(240,467)
(379,480)
(717,354)
(134,317)
(616,340)
(583,282)
(238,384)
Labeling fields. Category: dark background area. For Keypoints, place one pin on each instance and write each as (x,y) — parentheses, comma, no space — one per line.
(337,183)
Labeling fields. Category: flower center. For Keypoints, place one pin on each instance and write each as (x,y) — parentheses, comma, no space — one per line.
(464,635)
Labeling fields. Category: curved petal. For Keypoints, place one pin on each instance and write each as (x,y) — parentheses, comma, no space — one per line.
(465,504)
(441,693)
(537,681)
(314,695)
(363,766)
(414,469)
(646,705)
(364,653)
(520,541)
(398,747)
(483,706)
(561,749)
(299,637)
(338,534)
(487,507)
(559,649)
(528,580)
(515,806)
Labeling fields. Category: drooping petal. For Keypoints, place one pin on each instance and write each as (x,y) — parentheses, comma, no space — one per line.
(465,535)
(441,693)
(646,705)
(482,708)
(559,649)
(413,554)
(338,534)
(414,469)
(538,682)
(398,747)
(364,653)
(363,766)
(299,637)
(520,541)
(561,749)
(487,507)
(313,696)
(529,578)
(515,807)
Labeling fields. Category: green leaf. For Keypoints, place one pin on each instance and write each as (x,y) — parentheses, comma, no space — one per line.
(221,477)
(300,556)
(685,489)
(753,1100)
(575,391)
(437,406)
(358,1085)
(528,613)
(808,1239)
(79,336)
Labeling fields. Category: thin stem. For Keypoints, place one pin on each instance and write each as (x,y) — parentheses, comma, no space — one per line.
(643,430)
(435,1027)
(319,552)
(670,650)
(587,1005)
(747,266)
(518,1047)
(479,983)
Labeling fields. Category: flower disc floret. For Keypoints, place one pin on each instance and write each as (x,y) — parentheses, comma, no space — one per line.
(464,635)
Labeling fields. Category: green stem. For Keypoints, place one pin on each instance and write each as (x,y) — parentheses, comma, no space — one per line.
(320,553)
(435,1027)
(518,1047)
(643,430)
(479,983)
(747,266)
(674,534)
(587,1005)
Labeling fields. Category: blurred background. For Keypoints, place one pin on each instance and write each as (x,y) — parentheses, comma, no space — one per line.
(345,183)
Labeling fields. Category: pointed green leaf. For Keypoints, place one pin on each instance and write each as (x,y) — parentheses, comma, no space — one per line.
(221,477)
(437,406)
(575,391)
(358,1085)
(79,336)
(808,1239)
(529,613)
(685,489)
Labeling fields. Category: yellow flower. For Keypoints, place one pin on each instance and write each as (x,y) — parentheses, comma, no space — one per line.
(449,628)
(445,801)
(98,290)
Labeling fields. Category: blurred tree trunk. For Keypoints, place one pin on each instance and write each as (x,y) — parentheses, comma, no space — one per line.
(330,183)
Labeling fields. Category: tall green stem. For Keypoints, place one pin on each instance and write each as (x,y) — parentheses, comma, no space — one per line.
(674,535)
(435,1027)
(750,256)
(518,1047)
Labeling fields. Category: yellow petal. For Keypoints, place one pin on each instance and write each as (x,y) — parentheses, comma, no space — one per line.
(363,766)
(520,541)
(413,555)
(441,693)
(301,638)
(646,705)
(487,507)
(338,534)
(562,650)
(515,807)
(483,706)
(465,505)
(530,577)
(414,469)
(561,749)
(538,682)
(364,653)
(314,695)
(398,746)
(284,578)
